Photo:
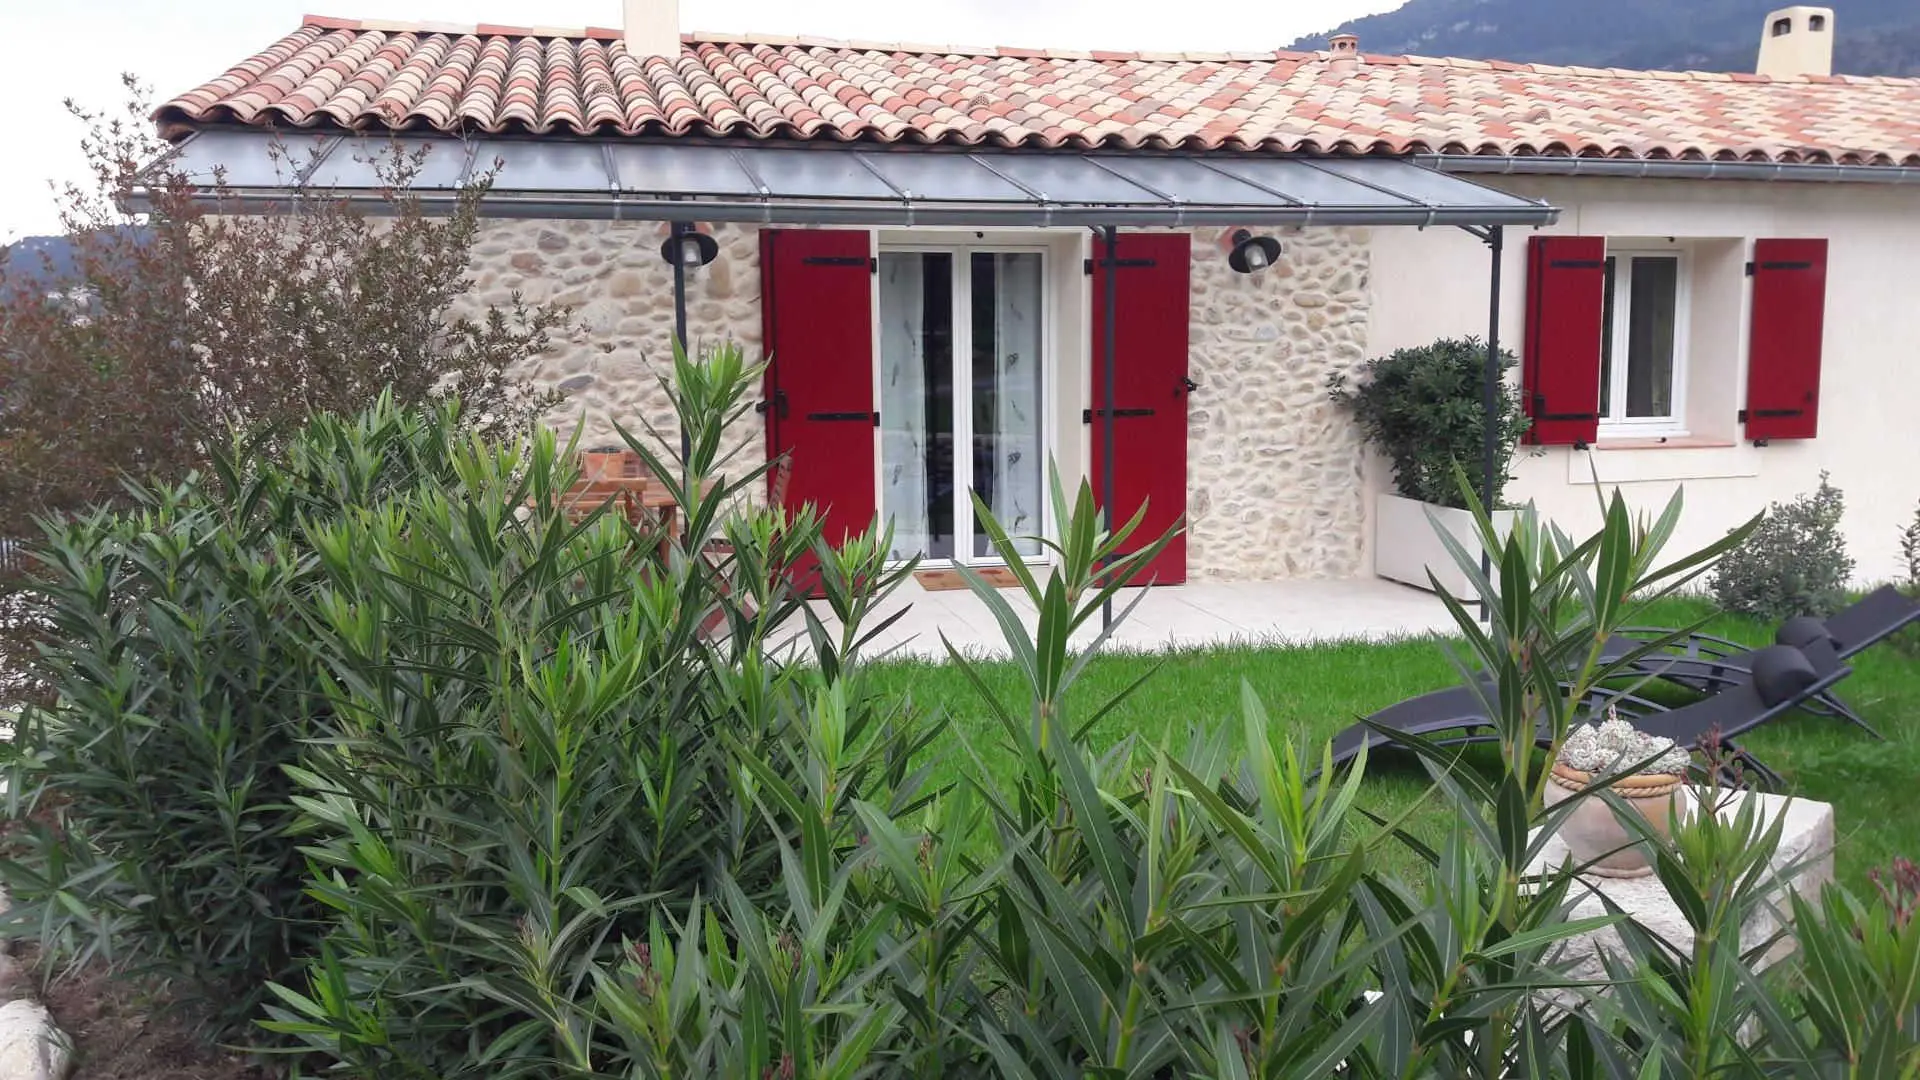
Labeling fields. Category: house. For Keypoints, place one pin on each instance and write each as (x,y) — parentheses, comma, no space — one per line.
(1709,275)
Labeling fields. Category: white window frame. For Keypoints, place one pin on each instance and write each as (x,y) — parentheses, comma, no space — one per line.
(1644,427)
(988,243)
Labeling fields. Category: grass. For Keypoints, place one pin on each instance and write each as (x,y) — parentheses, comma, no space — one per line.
(1312,692)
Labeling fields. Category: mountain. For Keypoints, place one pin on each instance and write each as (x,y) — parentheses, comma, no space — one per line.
(38,258)
(1874,37)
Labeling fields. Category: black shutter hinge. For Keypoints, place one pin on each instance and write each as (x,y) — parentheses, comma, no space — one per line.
(1086,265)
(872,264)
(1751,267)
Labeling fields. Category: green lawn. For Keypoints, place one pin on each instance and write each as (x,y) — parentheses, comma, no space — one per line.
(1318,690)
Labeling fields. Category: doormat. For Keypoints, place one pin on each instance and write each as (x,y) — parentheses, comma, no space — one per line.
(948,580)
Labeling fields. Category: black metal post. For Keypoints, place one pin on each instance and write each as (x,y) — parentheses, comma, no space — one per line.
(1490,432)
(679,230)
(1110,263)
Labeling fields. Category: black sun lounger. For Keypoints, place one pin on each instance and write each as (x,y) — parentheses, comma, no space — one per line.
(1455,709)
(1707,664)
(1783,678)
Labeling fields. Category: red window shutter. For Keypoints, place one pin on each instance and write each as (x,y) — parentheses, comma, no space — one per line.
(1560,370)
(1150,391)
(1783,349)
(817,319)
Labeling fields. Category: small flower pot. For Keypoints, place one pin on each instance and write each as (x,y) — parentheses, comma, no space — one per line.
(1594,836)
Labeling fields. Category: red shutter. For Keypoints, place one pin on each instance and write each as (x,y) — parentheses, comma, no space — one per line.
(1783,350)
(1150,392)
(1560,371)
(817,318)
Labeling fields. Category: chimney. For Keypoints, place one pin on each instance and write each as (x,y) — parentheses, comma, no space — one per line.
(652,28)
(1797,41)
(1344,46)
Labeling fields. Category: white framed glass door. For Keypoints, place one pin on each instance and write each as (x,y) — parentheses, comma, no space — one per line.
(962,394)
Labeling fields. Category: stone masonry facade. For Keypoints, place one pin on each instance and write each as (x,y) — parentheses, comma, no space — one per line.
(1275,470)
(611,363)
(1275,488)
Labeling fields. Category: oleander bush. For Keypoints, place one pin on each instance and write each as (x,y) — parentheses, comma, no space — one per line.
(517,804)
(152,798)
(1794,563)
(1425,409)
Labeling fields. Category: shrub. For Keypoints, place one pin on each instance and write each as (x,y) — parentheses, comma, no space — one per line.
(533,752)
(153,789)
(555,830)
(1423,408)
(1794,563)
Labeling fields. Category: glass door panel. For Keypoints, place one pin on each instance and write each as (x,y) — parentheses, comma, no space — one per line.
(917,482)
(960,399)
(1007,432)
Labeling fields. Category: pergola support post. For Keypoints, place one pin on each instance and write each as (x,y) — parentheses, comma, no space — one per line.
(1490,403)
(1110,263)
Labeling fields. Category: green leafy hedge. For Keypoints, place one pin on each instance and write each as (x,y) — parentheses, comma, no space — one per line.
(486,800)
(1424,408)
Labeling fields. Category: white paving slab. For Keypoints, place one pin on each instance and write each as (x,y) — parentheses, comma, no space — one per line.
(1182,616)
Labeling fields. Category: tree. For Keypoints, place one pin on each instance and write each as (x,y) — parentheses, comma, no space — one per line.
(175,325)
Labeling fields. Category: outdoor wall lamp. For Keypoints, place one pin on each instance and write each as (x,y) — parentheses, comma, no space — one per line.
(688,248)
(1252,254)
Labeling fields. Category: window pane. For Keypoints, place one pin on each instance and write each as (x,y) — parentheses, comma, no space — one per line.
(1006,394)
(1652,308)
(916,401)
(1606,343)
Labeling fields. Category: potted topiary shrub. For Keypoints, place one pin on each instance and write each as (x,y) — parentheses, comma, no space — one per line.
(1647,771)
(1423,408)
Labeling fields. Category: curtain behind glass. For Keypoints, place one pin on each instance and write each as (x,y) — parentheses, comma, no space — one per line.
(1006,393)
(903,402)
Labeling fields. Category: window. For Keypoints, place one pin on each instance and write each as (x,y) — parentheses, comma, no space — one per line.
(1643,344)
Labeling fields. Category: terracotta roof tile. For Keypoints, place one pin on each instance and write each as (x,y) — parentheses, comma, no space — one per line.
(349,74)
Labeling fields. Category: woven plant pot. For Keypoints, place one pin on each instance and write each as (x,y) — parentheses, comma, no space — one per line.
(1593,834)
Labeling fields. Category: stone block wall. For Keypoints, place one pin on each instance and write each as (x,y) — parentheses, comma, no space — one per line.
(610,273)
(1275,486)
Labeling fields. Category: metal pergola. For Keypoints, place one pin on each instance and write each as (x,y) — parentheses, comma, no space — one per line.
(683,181)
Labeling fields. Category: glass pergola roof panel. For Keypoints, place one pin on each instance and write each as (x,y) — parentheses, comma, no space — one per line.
(1071,178)
(1414,182)
(815,174)
(1186,181)
(661,168)
(250,159)
(366,162)
(532,165)
(944,177)
(1306,184)
(784,184)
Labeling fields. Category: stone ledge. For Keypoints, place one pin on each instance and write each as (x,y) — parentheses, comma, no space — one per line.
(1806,848)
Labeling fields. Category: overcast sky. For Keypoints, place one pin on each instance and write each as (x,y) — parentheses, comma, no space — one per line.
(51,50)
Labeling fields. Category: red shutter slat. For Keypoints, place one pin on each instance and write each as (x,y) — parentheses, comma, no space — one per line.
(1783,349)
(817,320)
(1560,370)
(1150,391)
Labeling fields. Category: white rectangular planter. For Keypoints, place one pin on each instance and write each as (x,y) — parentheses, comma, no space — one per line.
(1405,545)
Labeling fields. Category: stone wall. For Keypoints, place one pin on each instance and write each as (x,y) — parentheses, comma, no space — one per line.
(1275,484)
(621,292)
